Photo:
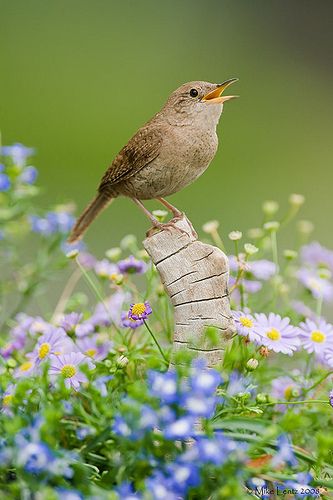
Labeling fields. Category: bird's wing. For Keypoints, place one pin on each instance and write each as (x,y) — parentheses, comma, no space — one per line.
(142,149)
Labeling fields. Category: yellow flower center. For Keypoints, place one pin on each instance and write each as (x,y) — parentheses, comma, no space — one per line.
(138,309)
(273,334)
(288,392)
(7,400)
(25,366)
(247,322)
(91,352)
(44,350)
(68,371)
(318,336)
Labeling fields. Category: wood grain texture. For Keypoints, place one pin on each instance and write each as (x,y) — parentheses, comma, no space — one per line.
(195,276)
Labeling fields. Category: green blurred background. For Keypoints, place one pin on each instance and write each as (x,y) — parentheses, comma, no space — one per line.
(79,77)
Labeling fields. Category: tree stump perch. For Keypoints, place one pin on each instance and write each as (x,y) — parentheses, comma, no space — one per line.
(195,276)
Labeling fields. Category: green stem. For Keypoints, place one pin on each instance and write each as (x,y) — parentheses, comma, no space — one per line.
(156,342)
(319,306)
(96,291)
(305,401)
(275,250)
(318,382)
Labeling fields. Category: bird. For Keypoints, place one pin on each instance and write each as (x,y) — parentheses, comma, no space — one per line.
(165,155)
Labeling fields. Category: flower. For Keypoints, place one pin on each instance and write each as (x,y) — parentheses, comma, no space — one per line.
(4,182)
(93,348)
(68,366)
(131,266)
(318,286)
(276,333)
(26,369)
(35,457)
(105,269)
(316,255)
(163,385)
(316,336)
(302,488)
(84,329)
(245,323)
(127,322)
(29,175)
(183,428)
(284,388)
(53,342)
(204,381)
(330,397)
(262,269)
(198,405)
(285,453)
(235,235)
(70,321)
(139,310)
(18,153)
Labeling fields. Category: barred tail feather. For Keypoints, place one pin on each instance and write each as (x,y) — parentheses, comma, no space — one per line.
(93,209)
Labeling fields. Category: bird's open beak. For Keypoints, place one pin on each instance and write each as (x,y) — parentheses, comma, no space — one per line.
(215,96)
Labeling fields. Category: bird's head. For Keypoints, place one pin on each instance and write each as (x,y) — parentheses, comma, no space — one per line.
(200,102)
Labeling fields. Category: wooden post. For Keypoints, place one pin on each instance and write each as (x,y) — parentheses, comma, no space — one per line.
(195,276)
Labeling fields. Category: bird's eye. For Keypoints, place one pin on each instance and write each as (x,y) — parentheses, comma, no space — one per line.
(193,92)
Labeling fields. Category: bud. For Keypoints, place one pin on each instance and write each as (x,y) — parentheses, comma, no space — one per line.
(296,200)
(235,235)
(305,227)
(72,254)
(324,273)
(122,361)
(262,397)
(272,226)
(252,364)
(210,226)
(290,254)
(143,255)
(128,241)
(244,396)
(270,207)
(255,233)
(117,278)
(264,351)
(113,254)
(250,249)
(160,215)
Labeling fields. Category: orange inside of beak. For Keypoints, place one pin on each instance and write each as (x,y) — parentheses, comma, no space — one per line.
(215,97)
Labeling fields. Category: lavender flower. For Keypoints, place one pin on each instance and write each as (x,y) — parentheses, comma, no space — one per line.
(127,322)
(54,342)
(68,366)
(320,287)
(316,336)
(315,255)
(276,333)
(105,269)
(284,388)
(70,321)
(94,349)
(245,324)
(262,269)
(84,329)
(139,310)
(26,369)
(131,266)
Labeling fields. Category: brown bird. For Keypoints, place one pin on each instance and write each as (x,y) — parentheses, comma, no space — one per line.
(169,152)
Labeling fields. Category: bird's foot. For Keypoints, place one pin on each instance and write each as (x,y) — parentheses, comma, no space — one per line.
(166,226)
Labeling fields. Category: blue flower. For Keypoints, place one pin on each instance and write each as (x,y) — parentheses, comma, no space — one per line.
(4,182)
(205,381)
(35,457)
(210,450)
(18,153)
(184,476)
(63,221)
(29,175)
(301,488)
(183,428)
(285,452)
(199,405)
(41,225)
(64,494)
(163,386)
(126,492)
(160,487)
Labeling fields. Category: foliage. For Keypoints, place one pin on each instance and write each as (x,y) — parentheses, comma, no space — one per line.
(89,408)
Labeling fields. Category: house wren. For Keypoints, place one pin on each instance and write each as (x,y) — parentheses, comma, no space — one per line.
(169,152)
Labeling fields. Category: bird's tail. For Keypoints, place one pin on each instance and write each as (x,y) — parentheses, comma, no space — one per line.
(93,209)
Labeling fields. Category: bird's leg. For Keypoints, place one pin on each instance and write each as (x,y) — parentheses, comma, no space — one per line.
(174,210)
(177,214)
(155,222)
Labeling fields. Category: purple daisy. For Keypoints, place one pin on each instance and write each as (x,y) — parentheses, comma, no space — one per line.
(276,333)
(285,388)
(68,366)
(105,269)
(26,369)
(262,269)
(316,336)
(245,324)
(140,310)
(318,286)
(131,266)
(93,348)
(54,342)
(70,321)
(316,255)
(127,322)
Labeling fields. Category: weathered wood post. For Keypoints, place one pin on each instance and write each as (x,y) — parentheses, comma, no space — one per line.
(195,276)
